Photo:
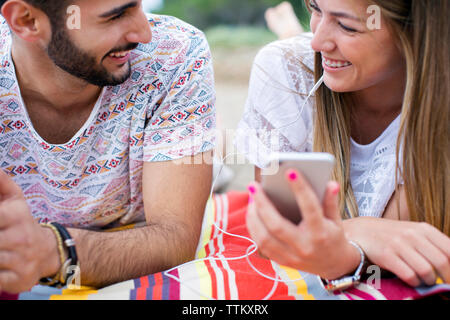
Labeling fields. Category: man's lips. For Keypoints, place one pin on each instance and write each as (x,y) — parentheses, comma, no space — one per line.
(121,53)
(120,57)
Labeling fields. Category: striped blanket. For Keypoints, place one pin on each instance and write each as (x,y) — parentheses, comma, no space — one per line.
(227,266)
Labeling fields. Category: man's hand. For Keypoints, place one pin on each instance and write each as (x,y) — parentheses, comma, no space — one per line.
(28,252)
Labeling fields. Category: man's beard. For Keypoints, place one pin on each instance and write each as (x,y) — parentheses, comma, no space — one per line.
(67,56)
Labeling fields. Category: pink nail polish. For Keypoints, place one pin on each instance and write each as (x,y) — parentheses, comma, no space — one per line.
(251,189)
(292,175)
(336,189)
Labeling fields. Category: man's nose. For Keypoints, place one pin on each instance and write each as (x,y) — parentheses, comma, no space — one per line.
(141,32)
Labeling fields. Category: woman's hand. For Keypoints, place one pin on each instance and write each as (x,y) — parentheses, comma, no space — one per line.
(317,245)
(415,252)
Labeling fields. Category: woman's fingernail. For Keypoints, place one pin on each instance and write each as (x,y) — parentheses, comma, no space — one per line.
(336,189)
(292,175)
(251,189)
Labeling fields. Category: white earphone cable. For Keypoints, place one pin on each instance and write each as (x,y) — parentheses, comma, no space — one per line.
(253,247)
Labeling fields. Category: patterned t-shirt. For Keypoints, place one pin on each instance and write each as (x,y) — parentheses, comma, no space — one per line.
(164,111)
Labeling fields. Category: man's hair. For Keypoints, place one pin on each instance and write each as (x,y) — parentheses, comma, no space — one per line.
(52,8)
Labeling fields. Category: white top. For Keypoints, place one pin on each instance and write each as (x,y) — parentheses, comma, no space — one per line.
(274,120)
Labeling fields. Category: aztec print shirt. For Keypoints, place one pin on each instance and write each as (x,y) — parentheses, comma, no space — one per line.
(164,111)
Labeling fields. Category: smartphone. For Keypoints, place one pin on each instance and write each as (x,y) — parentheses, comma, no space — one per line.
(316,167)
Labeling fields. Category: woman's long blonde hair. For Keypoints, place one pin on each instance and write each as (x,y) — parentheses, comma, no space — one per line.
(423,32)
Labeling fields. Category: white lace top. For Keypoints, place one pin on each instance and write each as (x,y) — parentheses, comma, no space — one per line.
(276,118)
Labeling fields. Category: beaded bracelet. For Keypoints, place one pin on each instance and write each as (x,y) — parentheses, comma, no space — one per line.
(56,278)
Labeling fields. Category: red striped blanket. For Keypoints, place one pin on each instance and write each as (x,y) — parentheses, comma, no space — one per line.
(222,270)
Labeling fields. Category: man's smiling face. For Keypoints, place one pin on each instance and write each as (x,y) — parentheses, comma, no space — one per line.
(99,51)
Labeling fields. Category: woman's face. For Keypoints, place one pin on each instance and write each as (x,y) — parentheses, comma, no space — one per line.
(355,56)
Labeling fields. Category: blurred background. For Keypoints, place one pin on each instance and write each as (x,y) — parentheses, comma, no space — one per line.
(236,30)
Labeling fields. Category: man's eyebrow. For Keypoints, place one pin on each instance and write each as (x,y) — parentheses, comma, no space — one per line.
(118,10)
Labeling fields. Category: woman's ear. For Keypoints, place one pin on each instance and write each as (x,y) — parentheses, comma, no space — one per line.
(26,21)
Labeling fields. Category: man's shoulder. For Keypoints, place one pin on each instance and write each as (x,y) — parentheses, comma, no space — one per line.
(5,36)
(169,25)
(171,37)
(175,45)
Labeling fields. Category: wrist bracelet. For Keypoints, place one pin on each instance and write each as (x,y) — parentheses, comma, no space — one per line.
(61,253)
(68,266)
(348,281)
(72,261)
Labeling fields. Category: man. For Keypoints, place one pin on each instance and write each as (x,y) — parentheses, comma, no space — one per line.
(105,115)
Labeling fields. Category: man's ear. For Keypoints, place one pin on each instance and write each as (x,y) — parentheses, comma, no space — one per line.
(26,21)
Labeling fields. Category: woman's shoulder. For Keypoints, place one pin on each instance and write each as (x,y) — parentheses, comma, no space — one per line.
(290,61)
(295,51)
(281,79)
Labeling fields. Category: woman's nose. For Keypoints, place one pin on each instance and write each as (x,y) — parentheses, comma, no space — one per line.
(322,40)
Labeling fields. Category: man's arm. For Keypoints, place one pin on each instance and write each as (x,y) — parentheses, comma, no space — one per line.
(175,196)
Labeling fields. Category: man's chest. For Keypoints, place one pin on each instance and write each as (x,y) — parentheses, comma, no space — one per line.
(57,127)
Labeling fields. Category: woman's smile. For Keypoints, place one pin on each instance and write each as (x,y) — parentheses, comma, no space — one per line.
(331,64)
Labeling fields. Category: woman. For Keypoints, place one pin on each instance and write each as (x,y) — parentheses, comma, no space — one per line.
(383,112)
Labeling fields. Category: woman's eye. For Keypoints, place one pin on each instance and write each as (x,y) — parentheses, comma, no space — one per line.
(348,29)
(314,6)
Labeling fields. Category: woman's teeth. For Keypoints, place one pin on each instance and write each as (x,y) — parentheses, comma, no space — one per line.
(336,64)
(119,54)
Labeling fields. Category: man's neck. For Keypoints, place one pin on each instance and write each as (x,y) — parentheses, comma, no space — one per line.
(41,80)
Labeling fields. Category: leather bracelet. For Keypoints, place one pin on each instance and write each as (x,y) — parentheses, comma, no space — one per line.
(347,281)
(68,267)
(72,260)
